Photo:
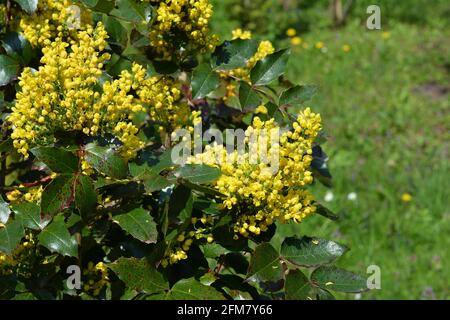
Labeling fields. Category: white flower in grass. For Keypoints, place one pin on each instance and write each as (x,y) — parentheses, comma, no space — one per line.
(352,196)
(329,196)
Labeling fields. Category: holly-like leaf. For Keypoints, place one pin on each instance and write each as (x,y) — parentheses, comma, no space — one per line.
(234,54)
(270,68)
(29,6)
(198,173)
(155,182)
(30,215)
(85,196)
(132,11)
(56,238)
(265,264)
(5,211)
(309,252)
(204,81)
(106,160)
(297,286)
(298,95)
(139,275)
(191,289)
(10,236)
(248,98)
(337,279)
(57,159)
(139,223)
(57,195)
(17,47)
(8,69)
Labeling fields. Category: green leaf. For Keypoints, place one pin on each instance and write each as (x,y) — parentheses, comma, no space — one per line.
(106,161)
(118,32)
(297,286)
(234,54)
(30,215)
(298,95)
(57,159)
(336,279)
(5,211)
(139,223)
(191,289)
(139,275)
(29,6)
(198,173)
(325,212)
(310,252)
(270,68)
(248,98)
(8,69)
(132,11)
(85,196)
(323,294)
(56,238)
(203,81)
(265,264)
(148,163)
(17,47)
(10,236)
(155,182)
(57,195)
(104,6)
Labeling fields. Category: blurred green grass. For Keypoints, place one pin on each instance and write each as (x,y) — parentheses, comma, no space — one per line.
(386,109)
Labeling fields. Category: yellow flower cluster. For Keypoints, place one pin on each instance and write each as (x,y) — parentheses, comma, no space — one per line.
(250,185)
(63,96)
(95,278)
(241,34)
(32,195)
(178,18)
(18,262)
(201,230)
(162,98)
(53,18)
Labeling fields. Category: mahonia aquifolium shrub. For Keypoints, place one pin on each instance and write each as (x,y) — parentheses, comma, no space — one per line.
(93,97)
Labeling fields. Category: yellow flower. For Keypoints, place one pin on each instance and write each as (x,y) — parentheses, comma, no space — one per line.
(346,48)
(261,109)
(240,34)
(386,35)
(406,197)
(296,41)
(319,45)
(291,32)
(305,45)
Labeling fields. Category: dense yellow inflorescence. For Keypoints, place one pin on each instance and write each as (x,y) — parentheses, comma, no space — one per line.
(62,95)
(176,19)
(252,186)
(53,19)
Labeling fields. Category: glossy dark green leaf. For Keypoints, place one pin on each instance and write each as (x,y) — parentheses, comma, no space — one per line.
(8,69)
(203,81)
(148,163)
(17,47)
(298,95)
(10,236)
(270,68)
(191,289)
(106,160)
(139,223)
(297,286)
(155,182)
(234,54)
(56,238)
(198,173)
(104,6)
(132,11)
(248,98)
(57,159)
(5,211)
(29,6)
(118,31)
(57,195)
(337,279)
(308,251)
(323,294)
(139,275)
(85,196)
(265,264)
(30,215)
(325,212)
